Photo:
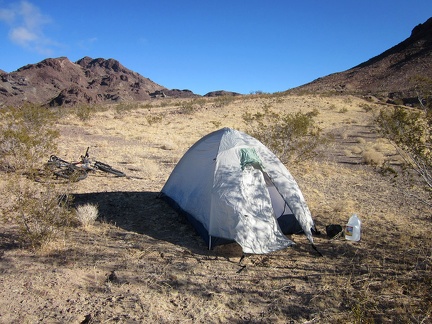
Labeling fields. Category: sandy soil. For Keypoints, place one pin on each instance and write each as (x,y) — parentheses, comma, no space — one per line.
(141,262)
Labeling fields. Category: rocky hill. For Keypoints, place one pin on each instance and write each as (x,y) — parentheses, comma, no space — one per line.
(60,82)
(222,93)
(389,74)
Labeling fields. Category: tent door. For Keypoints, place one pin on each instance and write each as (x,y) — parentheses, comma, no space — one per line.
(285,217)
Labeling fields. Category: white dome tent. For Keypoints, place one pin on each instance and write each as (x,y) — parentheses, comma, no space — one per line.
(231,187)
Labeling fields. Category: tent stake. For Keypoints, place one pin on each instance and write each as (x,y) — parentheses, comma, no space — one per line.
(315,248)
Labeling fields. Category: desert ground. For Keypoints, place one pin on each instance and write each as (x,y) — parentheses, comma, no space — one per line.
(141,262)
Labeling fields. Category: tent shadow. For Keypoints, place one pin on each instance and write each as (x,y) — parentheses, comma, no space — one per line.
(144,213)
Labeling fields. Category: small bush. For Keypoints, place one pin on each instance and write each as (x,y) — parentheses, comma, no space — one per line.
(216,123)
(124,108)
(200,102)
(366,107)
(360,140)
(27,135)
(87,214)
(373,157)
(188,107)
(84,112)
(411,132)
(292,137)
(153,119)
(42,214)
(222,101)
(356,150)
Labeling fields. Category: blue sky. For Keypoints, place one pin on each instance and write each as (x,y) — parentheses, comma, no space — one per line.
(203,45)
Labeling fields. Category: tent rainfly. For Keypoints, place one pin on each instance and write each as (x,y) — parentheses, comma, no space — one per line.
(231,187)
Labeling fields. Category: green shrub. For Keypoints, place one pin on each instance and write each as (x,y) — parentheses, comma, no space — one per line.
(222,101)
(188,107)
(410,131)
(124,108)
(83,112)
(366,107)
(292,137)
(153,119)
(27,135)
(216,123)
(200,102)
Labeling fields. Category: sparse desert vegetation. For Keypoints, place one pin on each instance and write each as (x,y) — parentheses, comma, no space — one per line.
(141,262)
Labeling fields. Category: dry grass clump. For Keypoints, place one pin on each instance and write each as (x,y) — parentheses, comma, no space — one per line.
(361,140)
(373,157)
(343,207)
(356,150)
(349,152)
(168,146)
(150,169)
(376,152)
(344,134)
(87,214)
(383,145)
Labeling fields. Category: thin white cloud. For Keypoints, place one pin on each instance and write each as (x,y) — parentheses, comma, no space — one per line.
(86,44)
(23,36)
(27,23)
(7,15)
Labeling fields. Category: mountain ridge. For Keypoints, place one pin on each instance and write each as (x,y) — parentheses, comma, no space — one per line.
(60,82)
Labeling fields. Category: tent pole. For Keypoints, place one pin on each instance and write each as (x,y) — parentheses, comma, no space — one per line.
(209,247)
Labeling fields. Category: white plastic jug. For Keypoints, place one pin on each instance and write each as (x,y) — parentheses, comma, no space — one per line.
(353,228)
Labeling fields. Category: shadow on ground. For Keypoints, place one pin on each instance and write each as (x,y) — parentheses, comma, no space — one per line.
(144,213)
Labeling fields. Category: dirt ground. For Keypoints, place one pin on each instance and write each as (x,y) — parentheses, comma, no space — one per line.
(141,262)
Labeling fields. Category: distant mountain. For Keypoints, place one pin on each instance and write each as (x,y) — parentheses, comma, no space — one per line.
(222,93)
(60,82)
(389,74)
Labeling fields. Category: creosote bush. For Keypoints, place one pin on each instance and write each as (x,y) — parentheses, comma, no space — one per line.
(223,101)
(41,213)
(293,137)
(27,135)
(84,112)
(154,118)
(410,131)
(188,107)
(124,108)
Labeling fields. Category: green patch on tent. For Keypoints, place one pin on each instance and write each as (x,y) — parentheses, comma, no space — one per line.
(248,156)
